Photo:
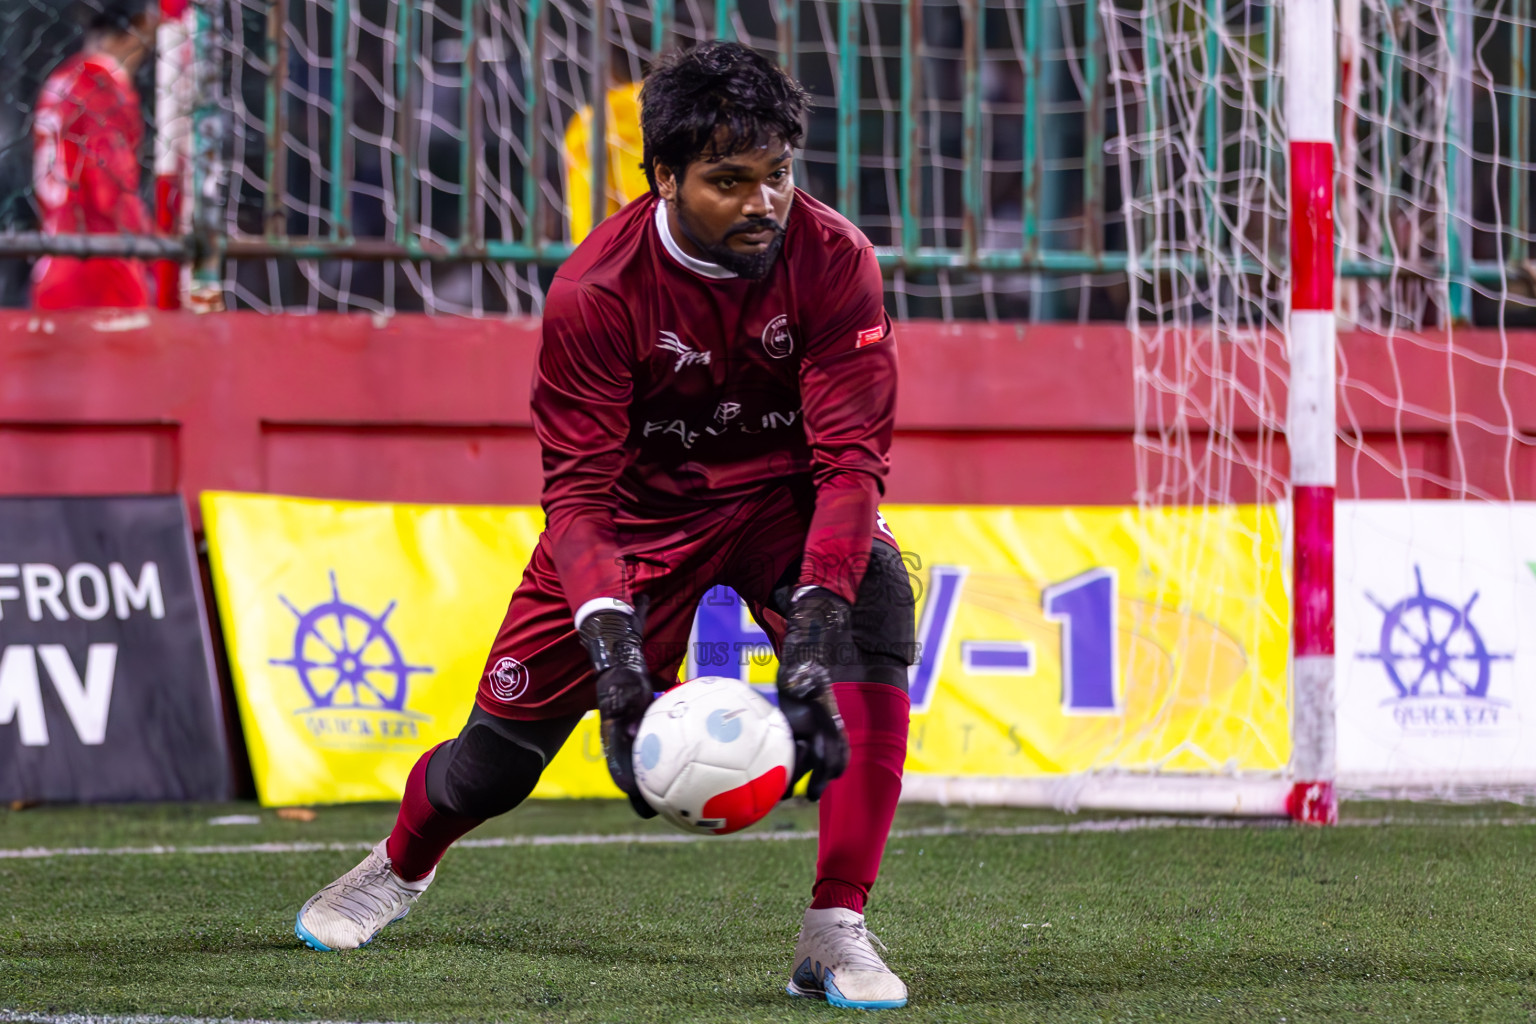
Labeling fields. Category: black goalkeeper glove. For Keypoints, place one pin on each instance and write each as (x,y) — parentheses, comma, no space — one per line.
(818,638)
(624,691)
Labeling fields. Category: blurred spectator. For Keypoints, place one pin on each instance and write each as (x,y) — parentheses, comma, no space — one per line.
(626,178)
(86,135)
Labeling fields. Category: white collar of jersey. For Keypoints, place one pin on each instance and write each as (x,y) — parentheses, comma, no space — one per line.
(701,267)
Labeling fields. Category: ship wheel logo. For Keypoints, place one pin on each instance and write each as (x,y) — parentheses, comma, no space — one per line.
(345,657)
(1430,648)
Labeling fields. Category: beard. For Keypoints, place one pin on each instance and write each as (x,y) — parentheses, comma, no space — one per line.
(752,266)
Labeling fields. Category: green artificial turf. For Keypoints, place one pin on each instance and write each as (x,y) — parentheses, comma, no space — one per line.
(1424,914)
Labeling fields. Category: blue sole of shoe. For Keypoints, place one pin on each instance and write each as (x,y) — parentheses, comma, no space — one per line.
(308,938)
(835,998)
(873,1004)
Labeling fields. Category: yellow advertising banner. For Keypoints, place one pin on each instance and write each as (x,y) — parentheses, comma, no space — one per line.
(356,632)
(1053,641)
(1086,639)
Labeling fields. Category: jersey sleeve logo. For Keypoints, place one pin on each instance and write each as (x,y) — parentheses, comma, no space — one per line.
(869,336)
(777,341)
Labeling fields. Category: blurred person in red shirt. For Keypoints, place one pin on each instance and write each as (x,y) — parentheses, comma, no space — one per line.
(86,132)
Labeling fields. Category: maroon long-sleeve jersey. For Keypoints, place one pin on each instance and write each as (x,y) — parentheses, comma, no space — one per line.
(665,384)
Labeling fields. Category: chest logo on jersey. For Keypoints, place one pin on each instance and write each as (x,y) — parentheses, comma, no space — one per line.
(777,341)
(686,356)
(725,421)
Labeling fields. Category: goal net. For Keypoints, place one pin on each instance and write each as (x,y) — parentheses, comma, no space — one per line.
(453,128)
(1420,685)
(1437,571)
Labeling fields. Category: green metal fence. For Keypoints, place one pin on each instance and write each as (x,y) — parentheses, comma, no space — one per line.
(1005,156)
(957,135)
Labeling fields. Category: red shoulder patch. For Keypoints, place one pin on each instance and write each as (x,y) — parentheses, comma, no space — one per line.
(869,336)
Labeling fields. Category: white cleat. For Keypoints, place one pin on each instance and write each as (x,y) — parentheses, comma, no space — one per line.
(350,911)
(835,960)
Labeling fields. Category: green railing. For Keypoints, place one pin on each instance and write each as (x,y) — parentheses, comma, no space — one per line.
(1003,155)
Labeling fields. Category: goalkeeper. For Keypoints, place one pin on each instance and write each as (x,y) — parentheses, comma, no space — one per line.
(714,396)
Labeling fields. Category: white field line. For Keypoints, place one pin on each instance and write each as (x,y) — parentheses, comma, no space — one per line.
(622,839)
(665,838)
(17,1017)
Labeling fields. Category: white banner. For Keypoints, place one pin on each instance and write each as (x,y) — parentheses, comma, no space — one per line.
(1436,642)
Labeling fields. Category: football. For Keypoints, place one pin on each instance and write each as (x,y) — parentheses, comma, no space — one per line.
(713,756)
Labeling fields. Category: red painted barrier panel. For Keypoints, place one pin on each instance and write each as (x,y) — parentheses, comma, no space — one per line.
(412,408)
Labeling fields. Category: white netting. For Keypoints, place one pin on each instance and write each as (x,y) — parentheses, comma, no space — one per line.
(395,106)
(1200,157)
(1060,90)
(1202,162)
(1071,206)
(1434,225)
(1436,188)
(1436,597)
(1045,207)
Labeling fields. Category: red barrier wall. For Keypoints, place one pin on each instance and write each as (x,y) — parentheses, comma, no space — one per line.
(413,408)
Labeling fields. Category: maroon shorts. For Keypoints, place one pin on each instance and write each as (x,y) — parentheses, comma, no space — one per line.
(538,667)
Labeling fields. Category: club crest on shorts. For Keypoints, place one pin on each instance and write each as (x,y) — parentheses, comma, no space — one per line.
(777,341)
(509,679)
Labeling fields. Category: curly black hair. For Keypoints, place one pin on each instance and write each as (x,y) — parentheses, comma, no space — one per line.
(689,95)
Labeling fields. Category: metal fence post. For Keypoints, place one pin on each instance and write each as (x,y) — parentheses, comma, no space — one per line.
(848,108)
(208,171)
(911,131)
(1458,160)
(340,154)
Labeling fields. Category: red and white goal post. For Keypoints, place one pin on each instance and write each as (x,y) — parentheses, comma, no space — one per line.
(1311,421)
(1400,451)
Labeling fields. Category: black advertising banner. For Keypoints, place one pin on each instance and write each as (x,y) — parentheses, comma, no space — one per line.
(106,684)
